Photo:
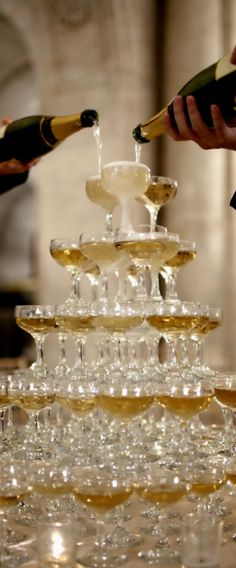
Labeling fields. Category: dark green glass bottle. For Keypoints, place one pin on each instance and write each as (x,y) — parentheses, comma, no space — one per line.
(214,85)
(31,137)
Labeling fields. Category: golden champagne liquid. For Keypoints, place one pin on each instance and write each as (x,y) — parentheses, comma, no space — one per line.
(11,500)
(200,323)
(173,324)
(102,253)
(181,258)
(35,401)
(97,194)
(77,404)
(210,326)
(68,257)
(39,324)
(144,251)
(52,491)
(118,323)
(5,400)
(73,324)
(102,499)
(230,476)
(162,494)
(205,487)
(158,193)
(185,407)
(124,407)
(226,396)
(171,249)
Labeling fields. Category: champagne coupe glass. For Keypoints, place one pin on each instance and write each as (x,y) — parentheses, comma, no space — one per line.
(161,487)
(39,321)
(100,491)
(51,483)
(117,323)
(66,252)
(145,249)
(160,191)
(213,320)
(78,396)
(97,194)
(99,247)
(186,253)
(173,320)
(225,394)
(33,396)
(78,323)
(186,400)
(125,180)
(207,478)
(14,489)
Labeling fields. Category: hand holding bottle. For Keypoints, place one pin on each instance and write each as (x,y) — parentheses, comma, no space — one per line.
(220,135)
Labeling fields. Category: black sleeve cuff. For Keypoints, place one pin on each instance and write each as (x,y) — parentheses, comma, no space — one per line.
(7,182)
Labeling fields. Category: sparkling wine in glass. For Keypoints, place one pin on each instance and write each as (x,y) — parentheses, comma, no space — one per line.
(169,271)
(39,321)
(126,181)
(101,492)
(66,252)
(97,194)
(160,191)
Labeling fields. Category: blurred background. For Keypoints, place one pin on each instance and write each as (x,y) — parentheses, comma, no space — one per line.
(126,59)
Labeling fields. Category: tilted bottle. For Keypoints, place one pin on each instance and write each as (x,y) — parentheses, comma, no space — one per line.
(214,85)
(33,136)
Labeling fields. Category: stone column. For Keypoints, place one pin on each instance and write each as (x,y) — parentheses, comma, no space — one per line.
(206,179)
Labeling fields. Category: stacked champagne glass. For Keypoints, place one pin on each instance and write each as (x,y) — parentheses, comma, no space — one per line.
(124,426)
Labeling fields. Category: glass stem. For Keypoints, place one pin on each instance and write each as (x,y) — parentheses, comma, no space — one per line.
(109,219)
(39,342)
(197,348)
(170,280)
(155,285)
(80,351)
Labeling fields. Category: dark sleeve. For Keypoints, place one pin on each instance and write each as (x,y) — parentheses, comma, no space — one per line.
(9,181)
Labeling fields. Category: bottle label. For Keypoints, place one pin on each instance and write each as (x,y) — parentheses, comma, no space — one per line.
(2,131)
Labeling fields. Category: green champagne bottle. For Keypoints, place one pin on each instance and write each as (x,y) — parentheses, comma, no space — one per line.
(214,85)
(33,136)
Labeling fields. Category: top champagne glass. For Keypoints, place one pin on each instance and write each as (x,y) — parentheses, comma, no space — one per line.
(160,191)
(125,181)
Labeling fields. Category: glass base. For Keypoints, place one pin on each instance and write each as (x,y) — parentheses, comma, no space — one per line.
(123,539)
(160,555)
(99,558)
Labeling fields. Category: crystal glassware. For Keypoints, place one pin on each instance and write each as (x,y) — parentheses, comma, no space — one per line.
(97,194)
(146,249)
(160,191)
(125,180)
(101,492)
(162,488)
(66,252)
(186,253)
(99,247)
(39,321)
